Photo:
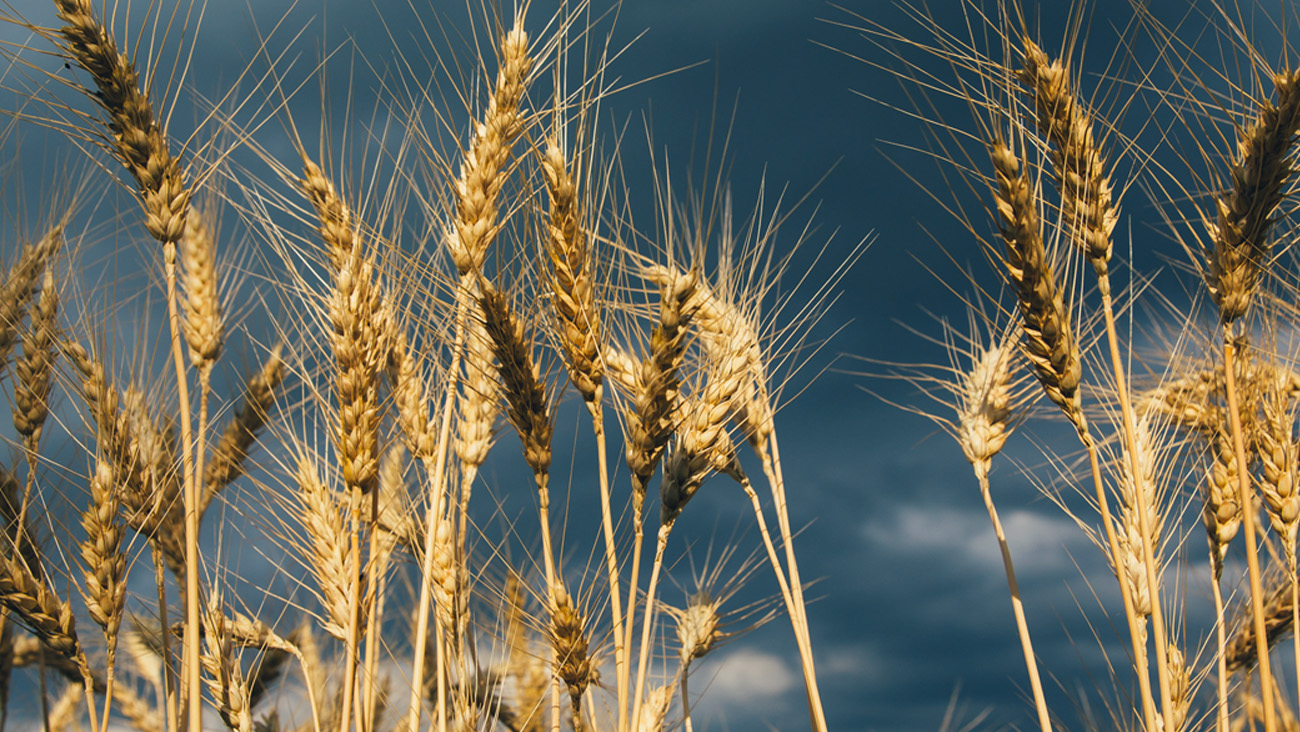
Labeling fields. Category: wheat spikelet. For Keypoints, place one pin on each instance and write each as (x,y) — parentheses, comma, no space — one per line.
(1048,340)
(32,392)
(572,285)
(1080,168)
(20,286)
(1245,212)
(482,172)
(133,133)
(231,452)
(203,327)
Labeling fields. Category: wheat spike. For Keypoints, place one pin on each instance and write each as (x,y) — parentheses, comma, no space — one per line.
(328,558)
(477,402)
(572,277)
(134,136)
(482,172)
(20,286)
(1245,212)
(101,552)
(1048,340)
(32,392)
(1085,188)
(203,326)
(568,636)
(652,414)
(525,393)
(38,608)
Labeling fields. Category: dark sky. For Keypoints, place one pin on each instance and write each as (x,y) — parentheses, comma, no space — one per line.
(911,601)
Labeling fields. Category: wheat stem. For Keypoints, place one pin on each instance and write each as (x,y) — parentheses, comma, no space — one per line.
(1144,511)
(1017,605)
(1248,523)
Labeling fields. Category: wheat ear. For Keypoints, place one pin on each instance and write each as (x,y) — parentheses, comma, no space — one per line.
(573,296)
(359,322)
(651,414)
(231,452)
(223,675)
(203,325)
(104,563)
(1089,207)
(1081,177)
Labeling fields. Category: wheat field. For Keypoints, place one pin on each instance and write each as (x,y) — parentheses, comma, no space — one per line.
(412,367)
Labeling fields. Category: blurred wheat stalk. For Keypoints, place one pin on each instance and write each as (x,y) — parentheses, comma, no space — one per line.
(376,412)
